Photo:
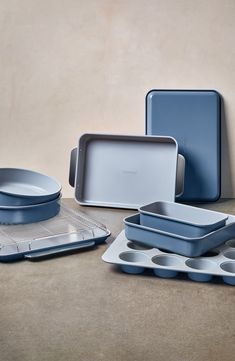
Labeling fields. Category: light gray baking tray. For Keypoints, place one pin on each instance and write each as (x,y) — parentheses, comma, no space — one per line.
(68,231)
(125,171)
(179,189)
(190,247)
(134,258)
(181,219)
(21,187)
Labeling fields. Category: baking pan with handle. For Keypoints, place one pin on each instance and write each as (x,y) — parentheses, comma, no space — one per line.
(124,171)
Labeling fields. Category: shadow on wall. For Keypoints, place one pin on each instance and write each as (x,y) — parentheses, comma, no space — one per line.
(226,174)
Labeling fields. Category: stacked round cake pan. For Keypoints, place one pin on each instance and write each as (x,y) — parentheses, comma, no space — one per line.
(27,196)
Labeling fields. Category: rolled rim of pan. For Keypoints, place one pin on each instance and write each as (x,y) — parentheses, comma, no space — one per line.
(27,207)
(30,183)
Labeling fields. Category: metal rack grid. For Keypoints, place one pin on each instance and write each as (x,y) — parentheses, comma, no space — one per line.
(68,227)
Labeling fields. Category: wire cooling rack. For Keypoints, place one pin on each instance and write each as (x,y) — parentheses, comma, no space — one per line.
(70,229)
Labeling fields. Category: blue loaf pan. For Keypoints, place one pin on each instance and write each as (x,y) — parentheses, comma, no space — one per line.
(189,247)
(30,213)
(181,219)
(22,187)
(193,118)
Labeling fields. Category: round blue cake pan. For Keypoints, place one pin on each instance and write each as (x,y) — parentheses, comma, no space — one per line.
(29,214)
(22,187)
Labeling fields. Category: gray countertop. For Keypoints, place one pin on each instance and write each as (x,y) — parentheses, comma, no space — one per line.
(76,307)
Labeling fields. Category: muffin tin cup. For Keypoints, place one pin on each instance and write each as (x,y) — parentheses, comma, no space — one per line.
(133,257)
(200,264)
(122,252)
(132,269)
(166,261)
(199,277)
(165,273)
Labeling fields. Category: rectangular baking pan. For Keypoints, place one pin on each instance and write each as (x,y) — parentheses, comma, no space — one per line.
(180,219)
(193,118)
(179,189)
(134,258)
(190,247)
(125,171)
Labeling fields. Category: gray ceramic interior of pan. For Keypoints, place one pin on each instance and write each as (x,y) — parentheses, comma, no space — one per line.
(25,183)
(125,171)
(181,219)
(183,213)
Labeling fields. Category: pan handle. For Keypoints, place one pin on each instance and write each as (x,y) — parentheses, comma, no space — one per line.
(35,256)
(180,173)
(72,168)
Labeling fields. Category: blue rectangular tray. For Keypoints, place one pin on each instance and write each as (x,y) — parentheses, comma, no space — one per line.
(193,118)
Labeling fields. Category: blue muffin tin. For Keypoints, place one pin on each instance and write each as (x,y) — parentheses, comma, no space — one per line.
(193,118)
(134,258)
(190,247)
(181,219)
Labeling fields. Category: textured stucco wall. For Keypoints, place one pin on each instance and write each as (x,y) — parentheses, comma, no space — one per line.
(75,66)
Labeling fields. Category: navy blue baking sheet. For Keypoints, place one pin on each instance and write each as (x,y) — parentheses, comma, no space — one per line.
(193,118)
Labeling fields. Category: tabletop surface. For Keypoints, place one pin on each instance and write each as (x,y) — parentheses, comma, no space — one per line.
(76,307)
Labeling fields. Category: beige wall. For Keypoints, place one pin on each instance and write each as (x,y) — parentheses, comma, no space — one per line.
(74,66)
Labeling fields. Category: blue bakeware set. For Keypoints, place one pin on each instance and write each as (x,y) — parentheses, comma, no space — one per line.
(170,237)
(177,161)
